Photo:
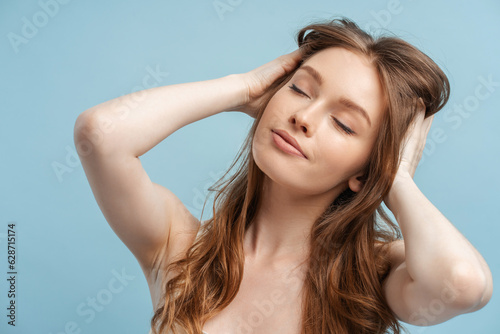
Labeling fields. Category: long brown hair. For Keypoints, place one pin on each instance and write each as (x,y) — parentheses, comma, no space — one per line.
(342,287)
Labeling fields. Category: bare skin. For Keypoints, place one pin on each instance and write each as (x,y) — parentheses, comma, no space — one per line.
(144,214)
(297,190)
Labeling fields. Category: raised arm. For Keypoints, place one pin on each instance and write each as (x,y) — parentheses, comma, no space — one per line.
(111,137)
(437,273)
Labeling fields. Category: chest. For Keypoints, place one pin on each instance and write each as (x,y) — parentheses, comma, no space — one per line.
(268,301)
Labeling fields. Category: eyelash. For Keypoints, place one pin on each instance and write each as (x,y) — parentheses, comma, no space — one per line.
(297,90)
(344,128)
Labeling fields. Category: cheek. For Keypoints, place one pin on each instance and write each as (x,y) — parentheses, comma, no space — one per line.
(258,138)
(275,105)
(259,145)
(339,159)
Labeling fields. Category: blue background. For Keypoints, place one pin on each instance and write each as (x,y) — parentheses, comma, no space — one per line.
(88,52)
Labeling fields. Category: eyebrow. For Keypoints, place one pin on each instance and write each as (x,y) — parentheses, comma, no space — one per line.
(343,100)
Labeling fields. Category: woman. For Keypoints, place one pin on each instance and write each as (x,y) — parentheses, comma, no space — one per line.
(295,244)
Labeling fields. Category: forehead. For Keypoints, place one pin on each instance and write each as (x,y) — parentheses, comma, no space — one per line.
(348,74)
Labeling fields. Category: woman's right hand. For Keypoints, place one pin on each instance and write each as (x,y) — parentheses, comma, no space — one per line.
(257,81)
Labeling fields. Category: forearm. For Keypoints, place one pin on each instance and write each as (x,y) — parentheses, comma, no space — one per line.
(135,123)
(434,249)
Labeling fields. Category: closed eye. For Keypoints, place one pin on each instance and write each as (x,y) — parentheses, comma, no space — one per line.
(297,90)
(346,129)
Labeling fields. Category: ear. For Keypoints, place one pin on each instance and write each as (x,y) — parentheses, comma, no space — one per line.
(356,182)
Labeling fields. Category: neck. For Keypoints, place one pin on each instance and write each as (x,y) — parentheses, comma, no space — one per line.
(282,225)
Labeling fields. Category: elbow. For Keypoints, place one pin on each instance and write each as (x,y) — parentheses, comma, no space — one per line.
(81,126)
(471,286)
(82,133)
(90,132)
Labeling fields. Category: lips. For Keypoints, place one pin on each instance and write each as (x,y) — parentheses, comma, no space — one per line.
(289,139)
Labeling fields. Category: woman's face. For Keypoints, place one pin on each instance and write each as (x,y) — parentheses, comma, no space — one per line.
(321,108)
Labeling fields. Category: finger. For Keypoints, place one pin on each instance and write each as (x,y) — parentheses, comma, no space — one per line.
(415,124)
(419,118)
(296,53)
(291,60)
(428,122)
(421,123)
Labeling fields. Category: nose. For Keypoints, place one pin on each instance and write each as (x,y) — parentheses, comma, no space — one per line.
(305,119)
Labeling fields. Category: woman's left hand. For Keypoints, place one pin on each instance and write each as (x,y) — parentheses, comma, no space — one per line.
(412,149)
(414,143)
